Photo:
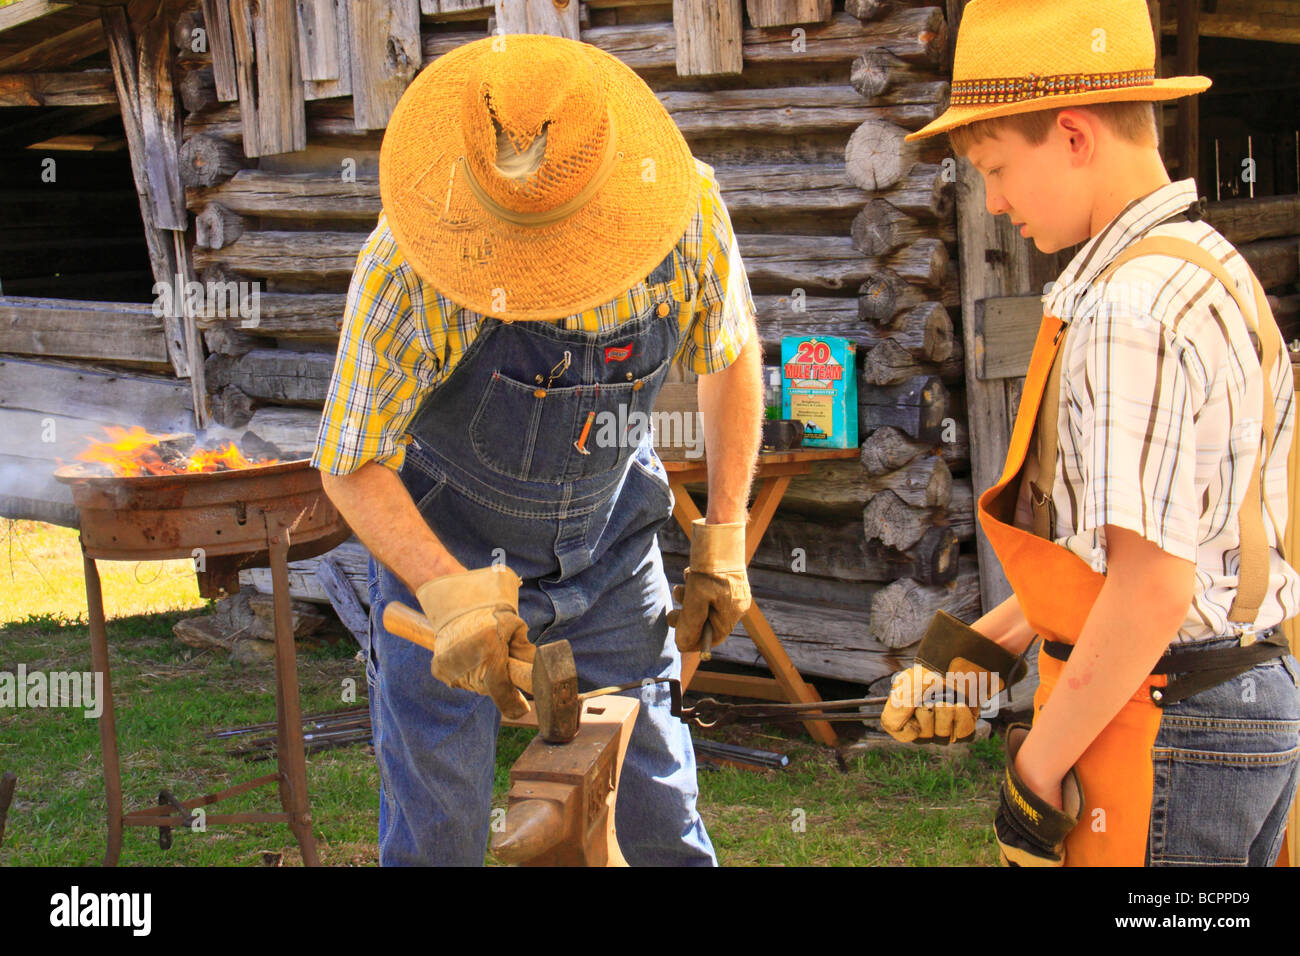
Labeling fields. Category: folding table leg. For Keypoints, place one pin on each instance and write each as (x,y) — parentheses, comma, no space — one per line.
(797,690)
(794,687)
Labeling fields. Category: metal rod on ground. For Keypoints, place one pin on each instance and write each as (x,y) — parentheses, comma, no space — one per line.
(322,717)
(350,727)
(267,751)
(744,757)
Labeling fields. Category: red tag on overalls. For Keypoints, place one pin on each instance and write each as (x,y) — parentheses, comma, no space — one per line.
(617,353)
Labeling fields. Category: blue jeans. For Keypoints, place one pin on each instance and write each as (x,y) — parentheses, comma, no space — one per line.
(1227,762)
(435,745)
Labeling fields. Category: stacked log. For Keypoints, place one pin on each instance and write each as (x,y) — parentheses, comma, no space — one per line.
(914,448)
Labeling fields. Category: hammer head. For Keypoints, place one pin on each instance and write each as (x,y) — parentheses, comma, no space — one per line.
(555,692)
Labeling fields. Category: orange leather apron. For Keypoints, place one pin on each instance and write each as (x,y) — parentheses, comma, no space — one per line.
(1056,590)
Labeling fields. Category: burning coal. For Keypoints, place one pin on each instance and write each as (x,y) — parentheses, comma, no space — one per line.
(132,452)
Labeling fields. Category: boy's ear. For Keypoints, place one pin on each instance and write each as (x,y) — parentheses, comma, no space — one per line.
(1079,129)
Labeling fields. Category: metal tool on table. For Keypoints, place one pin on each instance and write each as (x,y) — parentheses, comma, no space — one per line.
(782,434)
(319,732)
(719,754)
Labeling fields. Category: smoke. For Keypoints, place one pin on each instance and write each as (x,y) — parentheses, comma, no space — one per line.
(29,481)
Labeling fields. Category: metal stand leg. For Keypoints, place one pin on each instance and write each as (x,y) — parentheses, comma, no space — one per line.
(107,723)
(290,753)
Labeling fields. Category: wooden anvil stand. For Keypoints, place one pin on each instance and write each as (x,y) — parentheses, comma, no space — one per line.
(561,801)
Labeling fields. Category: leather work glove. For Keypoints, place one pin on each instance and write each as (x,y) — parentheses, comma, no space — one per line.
(476,617)
(716,588)
(957,672)
(1030,831)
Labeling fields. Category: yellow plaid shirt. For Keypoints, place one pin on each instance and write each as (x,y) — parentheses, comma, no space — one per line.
(401,337)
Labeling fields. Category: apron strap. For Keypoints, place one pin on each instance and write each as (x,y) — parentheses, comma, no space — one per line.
(1040,468)
(1254,563)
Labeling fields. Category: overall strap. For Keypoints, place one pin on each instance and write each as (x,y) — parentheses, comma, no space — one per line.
(1254,565)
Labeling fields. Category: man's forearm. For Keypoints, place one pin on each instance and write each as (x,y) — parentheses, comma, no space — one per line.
(731,406)
(378,508)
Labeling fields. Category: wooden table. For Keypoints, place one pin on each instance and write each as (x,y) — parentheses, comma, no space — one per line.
(772,477)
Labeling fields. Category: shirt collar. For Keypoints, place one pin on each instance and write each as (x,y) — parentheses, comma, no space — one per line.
(1135,219)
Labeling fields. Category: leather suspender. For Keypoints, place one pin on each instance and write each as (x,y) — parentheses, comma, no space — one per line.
(1254,564)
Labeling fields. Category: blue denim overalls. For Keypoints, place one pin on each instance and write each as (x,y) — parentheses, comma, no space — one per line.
(493,468)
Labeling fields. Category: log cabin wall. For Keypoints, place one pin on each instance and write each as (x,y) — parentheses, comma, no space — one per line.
(842,229)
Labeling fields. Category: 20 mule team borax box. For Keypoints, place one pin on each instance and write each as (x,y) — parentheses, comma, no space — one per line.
(820,388)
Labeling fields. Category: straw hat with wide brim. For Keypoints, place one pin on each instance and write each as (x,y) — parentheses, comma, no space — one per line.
(614,192)
(1016,56)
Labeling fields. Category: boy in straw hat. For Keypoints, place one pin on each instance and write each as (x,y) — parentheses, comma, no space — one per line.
(1140,515)
(548,247)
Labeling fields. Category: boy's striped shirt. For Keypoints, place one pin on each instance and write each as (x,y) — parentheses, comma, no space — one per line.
(1160,411)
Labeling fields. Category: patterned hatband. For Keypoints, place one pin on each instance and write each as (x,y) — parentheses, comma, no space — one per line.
(1016,88)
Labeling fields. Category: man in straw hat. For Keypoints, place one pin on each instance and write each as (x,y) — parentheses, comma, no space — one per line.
(1140,515)
(548,248)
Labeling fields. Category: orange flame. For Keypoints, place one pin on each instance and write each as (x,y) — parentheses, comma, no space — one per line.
(131,452)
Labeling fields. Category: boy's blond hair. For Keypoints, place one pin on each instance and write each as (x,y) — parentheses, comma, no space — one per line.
(1132,121)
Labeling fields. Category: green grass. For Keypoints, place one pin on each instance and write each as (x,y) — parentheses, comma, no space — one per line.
(910,808)
(895,808)
(41,577)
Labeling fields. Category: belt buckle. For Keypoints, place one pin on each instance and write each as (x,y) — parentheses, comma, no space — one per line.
(1246,635)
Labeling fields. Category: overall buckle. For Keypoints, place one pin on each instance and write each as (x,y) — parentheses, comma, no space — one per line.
(1246,635)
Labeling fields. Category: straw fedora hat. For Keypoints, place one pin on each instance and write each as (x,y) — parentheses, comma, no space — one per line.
(1016,56)
(615,189)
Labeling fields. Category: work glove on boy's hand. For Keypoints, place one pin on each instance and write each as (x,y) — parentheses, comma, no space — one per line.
(1030,831)
(476,616)
(957,672)
(716,589)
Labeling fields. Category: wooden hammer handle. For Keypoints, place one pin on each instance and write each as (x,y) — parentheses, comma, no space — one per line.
(415,627)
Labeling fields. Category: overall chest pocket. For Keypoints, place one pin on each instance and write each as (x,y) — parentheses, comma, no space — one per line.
(531,433)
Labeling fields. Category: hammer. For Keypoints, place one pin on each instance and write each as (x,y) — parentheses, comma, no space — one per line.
(552,679)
